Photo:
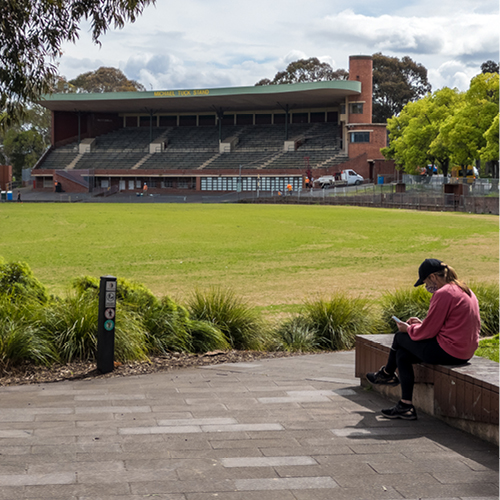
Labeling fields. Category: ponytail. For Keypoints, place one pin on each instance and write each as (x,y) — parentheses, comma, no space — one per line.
(449,275)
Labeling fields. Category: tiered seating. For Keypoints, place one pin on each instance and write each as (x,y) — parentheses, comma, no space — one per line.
(109,160)
(259,146)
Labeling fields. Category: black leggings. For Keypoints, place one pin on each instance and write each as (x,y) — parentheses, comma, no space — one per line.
(405,352)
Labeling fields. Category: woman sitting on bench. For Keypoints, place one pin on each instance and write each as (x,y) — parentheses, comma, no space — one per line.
(449,335)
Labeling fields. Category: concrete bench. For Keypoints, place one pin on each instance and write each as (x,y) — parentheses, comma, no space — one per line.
(464,396)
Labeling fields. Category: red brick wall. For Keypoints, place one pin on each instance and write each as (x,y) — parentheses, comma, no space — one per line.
(361,69)
(5,176)
(378,140)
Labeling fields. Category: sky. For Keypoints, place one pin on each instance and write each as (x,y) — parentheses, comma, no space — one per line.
(193,44)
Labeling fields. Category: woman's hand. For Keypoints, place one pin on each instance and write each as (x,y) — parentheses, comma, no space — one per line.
(414,321)
(402,327)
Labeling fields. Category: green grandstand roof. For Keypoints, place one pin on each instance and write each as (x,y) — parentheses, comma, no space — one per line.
(240,99)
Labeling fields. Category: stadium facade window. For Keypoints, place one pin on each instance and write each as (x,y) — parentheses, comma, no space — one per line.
(104,183)
(228,120)
(168,121)
(187,121)
(332,117)
(300,118)
(131,185)
(360,136)
(206,120)
(244,119)
(250,183)
(356,108)
(264,119)
(144,121)
(131,121)
(317,117)
(342,109)
(279,118)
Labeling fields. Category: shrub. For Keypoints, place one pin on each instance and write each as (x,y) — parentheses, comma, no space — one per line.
(18,282)
(338,320)
(487,296)
(166,325)
(71,324)
(241,324)
(206,337)
(134,295)
(296,335)
(19,339)
(488,348)
(404,303)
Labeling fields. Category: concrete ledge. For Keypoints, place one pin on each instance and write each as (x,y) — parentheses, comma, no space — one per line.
(463,396)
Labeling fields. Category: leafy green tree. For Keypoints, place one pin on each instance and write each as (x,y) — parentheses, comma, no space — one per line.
(22,149)
(105,80)
(463,133)
(489,67)
(413,134)
(32,33)
(490,152)
(396,83)
(306,70)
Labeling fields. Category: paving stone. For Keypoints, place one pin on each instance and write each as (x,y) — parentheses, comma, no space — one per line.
(292,483)
(322,435)
(267,461)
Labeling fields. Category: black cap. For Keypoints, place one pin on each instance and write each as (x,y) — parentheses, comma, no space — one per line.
(428,267)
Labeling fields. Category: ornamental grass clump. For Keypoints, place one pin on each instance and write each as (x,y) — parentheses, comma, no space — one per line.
(403,303)
(487,296)
(71,325)
(20,340)
(296,335)
(338,320)
(240,323)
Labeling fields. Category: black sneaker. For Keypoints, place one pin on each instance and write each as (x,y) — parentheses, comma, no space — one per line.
(401,410)
(382,378)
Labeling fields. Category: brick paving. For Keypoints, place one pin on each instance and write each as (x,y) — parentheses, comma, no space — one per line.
(298,428)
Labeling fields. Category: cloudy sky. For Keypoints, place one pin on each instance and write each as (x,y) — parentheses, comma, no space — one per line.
(225,43)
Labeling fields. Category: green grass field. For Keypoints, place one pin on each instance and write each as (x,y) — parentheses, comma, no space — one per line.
(274,256)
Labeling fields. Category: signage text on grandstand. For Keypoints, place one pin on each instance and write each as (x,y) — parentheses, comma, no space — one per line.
(180,93)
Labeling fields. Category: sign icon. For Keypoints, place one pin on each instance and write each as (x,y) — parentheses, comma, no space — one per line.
(110,299)
(109,325)
(109,313)
(111,286)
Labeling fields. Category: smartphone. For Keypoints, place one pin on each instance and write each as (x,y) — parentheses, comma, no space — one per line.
(397,320)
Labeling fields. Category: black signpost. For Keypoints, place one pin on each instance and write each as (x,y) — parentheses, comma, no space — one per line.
(106,324)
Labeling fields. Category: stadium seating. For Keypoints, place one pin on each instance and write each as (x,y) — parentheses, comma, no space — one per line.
(188,148)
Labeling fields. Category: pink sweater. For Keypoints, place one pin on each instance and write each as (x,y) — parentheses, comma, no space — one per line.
(454,320)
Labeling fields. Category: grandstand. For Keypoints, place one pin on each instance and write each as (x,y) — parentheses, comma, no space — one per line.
(213,139)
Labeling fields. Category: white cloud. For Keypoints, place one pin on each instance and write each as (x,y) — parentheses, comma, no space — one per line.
(195,43)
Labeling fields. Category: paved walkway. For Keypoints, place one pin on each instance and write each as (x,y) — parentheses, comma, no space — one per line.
(297,428)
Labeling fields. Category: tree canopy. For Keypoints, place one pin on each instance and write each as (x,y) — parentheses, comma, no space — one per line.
(32,33)
(104,80)
(23,143)
(447,127)
(396,83)
(489,67)
(306,70)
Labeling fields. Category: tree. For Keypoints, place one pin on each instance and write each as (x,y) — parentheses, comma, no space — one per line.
(105,80)
(489,67)
(305,70)
(413,134)
(463,133)
(22,149)
(32,33)
(22,144)
(395,84)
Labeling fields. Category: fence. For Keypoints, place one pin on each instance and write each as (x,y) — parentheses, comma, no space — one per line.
(482,197)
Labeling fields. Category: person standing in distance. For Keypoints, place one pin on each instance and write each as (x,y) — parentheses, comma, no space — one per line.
(449,335)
